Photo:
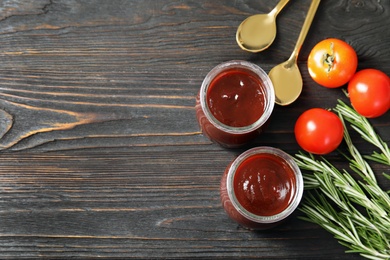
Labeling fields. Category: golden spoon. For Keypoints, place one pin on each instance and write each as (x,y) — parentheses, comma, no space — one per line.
(286,77)
(257,32)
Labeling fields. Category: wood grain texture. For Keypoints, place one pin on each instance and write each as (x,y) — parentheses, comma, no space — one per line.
(101,155)
(120,205)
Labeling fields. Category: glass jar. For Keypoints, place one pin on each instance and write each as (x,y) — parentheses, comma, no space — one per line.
(261,188)
(234,103)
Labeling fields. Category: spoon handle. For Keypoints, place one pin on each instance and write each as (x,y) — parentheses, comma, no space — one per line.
(278,7)
(305,29)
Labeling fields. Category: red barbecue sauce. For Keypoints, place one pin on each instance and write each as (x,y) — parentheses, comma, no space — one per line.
(235,98)
(264,184)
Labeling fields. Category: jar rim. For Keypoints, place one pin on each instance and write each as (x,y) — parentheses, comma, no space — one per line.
(269,100)
(297,192)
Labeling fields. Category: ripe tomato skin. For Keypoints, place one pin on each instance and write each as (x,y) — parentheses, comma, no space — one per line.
(332,63)
(318,131)
(369,92)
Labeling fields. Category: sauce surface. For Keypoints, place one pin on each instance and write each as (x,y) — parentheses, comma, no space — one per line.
(235,97)
(264,184)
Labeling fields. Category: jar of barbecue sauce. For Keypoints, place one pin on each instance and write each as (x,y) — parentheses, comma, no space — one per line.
(261,188)
(234,103)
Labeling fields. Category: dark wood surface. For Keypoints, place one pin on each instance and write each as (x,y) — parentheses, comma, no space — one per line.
(101,155)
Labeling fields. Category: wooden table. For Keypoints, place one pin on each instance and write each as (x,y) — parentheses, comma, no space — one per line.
(101,154)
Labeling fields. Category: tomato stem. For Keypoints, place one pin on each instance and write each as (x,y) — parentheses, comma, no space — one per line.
(328,58)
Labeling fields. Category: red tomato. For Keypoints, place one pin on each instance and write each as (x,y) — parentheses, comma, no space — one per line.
(369,92)
(319,131)
(332,63)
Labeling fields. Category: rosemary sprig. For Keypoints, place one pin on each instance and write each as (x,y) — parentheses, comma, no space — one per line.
(361,125)
(357,163)
(334,198)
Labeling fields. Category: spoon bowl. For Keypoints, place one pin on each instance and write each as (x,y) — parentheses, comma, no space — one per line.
(257,32)
(287,81)
(286,77)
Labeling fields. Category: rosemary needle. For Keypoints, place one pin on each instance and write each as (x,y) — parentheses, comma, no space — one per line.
(335,198)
